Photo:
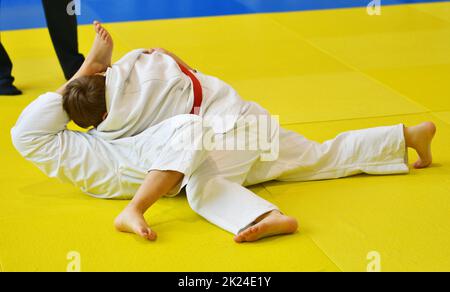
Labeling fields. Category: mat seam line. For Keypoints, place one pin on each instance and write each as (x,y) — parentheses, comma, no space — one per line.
(355,119)
(315,243)
(323,50)
(440,119)
(430,14)
(326,254)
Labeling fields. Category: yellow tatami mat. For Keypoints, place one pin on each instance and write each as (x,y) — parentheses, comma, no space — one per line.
(323,72)
(444,116)
(402,217)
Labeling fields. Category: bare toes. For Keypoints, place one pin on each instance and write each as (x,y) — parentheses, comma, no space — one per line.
(241,237)
(97,27)
(420,164)
(250,231)
(147,233)
(238,238)
(143,232)
(151,235)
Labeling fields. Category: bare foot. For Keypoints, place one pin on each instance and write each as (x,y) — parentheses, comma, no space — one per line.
(132,221)
(420,137)
(99,58)
(271,224)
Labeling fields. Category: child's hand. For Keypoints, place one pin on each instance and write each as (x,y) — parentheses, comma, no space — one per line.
(158,50)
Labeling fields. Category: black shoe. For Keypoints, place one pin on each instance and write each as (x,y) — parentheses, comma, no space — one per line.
(9,90)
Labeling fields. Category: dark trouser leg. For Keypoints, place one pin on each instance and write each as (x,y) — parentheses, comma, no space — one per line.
(6,79)
(64,34)
(5,68)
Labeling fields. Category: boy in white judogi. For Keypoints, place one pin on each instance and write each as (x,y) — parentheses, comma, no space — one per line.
(134,151)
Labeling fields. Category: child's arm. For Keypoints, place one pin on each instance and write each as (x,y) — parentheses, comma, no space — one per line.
(175,57)
(156,184)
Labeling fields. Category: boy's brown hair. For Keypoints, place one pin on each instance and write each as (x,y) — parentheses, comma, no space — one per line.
(84,100)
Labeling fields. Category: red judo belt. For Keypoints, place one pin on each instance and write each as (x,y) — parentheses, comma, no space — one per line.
(198,91)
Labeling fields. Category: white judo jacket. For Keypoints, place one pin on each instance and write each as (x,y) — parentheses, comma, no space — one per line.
(143,90)
(150,107)
(105,168)
(148,98)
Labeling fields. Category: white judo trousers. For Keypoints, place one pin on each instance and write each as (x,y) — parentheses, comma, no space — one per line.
(215,180)
(148,100)
(217,189)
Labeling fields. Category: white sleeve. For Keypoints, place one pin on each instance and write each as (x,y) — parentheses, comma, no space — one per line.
(35,134)
(42,137)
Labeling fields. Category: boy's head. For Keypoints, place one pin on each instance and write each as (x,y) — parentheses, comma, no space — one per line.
(84,100)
